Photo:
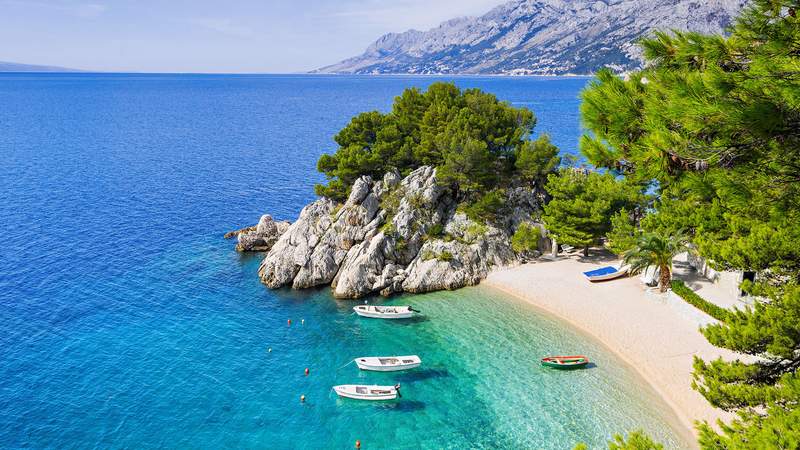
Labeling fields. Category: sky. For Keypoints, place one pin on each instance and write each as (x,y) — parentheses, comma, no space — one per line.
(209,36)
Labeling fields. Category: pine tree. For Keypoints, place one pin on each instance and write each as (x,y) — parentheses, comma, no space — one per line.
(582,204)
(471,135)
(715,122)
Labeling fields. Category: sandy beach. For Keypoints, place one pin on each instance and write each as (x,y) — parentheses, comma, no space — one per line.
(658,335)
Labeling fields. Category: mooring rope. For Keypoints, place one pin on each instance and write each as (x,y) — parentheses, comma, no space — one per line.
(351,362)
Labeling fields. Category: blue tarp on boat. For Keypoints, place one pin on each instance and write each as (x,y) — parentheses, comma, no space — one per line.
(604,271)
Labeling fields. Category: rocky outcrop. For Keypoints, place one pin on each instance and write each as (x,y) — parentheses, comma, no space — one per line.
(261,237)
(462,258)
(540,37)
(411,209)
(349,226)
(293,250)
(393,235)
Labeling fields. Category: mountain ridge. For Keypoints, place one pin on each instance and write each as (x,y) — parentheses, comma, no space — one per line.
(538,37)
(19,67)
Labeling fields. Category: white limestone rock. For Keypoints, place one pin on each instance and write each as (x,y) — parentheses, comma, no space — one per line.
(260,238)
(350,225)
(464,259)
(420,204)
(294,248)
(379,240)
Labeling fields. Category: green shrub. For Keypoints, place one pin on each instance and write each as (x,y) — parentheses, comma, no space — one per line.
(390,201)
(473,231)
(335,190)
(636,440)
(437,230)
(476,229)
(526,238)
(698,302)
(486,208)
(400,245)
(416,201)
(388,227)
(428,255)
(445,256)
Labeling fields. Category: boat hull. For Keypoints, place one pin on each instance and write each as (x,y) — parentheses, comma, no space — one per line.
(374,363)
(369,394)
(376,314)
(565,362)
(608,277)
(605,274)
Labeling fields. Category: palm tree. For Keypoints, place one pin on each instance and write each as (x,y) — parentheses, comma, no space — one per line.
(655,249)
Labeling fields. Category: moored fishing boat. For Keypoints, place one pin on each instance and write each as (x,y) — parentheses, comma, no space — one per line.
(565,362)
(364,392)
(385,312)
(388,363)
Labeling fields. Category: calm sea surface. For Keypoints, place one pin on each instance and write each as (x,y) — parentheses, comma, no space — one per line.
(127,321)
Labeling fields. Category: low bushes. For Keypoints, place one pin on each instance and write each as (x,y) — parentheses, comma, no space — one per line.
(698,302)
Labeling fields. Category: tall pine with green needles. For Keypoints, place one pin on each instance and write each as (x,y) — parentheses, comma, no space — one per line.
(715,122)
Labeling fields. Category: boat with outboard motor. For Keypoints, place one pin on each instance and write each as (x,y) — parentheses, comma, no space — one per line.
(365,392)
(385,312)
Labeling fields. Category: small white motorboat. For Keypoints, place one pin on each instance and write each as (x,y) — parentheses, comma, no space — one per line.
(385,312)
(364,392)
(388,363)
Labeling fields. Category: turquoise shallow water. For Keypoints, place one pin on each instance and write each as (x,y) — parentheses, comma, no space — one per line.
(127,322)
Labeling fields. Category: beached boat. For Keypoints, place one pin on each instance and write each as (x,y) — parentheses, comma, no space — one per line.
(385,312)
(565,362)
(364,392)
(388,363)
(606,273)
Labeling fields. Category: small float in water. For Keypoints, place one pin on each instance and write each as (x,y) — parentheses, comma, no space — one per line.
(565,362)
(388,363)
(385,312)
(606,273)
(364,392)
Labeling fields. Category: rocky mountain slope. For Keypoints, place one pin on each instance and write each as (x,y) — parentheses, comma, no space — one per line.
(17,67)
(392,235)
(544,37)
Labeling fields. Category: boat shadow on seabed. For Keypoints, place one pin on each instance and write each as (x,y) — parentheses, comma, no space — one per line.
(419,375)
(417,318)
(403,405)
(400,404)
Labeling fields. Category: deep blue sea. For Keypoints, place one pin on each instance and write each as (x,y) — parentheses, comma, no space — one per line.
(126,321)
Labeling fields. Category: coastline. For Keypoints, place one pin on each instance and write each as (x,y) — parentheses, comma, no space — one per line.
(657,341)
